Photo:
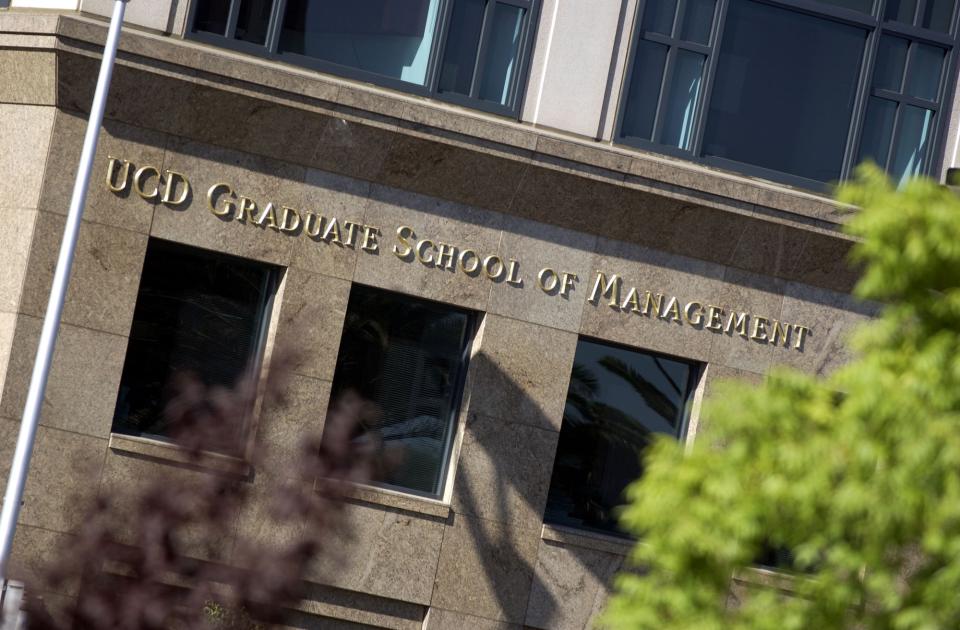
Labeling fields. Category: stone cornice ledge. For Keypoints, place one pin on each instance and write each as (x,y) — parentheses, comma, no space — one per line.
(633,165)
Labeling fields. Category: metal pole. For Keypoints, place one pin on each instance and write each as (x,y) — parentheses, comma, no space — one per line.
(51,321)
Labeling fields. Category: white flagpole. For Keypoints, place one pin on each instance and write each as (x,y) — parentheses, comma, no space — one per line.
(51,321)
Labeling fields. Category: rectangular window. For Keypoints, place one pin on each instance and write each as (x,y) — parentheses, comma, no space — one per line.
(799,91)
(408,356)
(472,52)
(197,312)
(617,400)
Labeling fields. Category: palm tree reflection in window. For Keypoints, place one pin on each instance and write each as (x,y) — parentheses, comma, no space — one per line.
(616,400)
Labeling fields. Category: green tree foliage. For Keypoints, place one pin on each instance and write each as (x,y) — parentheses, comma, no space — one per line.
(856,474)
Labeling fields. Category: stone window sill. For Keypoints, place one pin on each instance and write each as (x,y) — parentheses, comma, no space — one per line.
(158,449)
(391,498)
(586,539)
(770,578)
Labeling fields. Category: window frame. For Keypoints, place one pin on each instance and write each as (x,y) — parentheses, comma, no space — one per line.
(274,275)
(876,27)
(271,50)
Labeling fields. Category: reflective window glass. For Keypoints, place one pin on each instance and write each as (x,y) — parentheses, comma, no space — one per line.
(658,16)
(212,16)
(463,41)
(253,20)
(923,77)
(784,90)
(877,131)
(407,356)
(890,63)
(900,10)
(937,14)
(644,92)
(681,105)
(385,37)
(857,5)
(697,21)
(197,312)
(502,53)
(913,136)
(617,400)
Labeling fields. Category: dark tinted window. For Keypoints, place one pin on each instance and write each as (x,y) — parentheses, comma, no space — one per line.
(784,91)
(617,400)
(196,312)
(407,356)
(211,16)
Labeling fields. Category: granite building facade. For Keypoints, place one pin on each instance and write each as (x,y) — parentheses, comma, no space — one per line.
(462,217)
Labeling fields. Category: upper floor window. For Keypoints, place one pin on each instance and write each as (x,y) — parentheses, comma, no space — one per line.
(795,90)
(618,399)
(471,52)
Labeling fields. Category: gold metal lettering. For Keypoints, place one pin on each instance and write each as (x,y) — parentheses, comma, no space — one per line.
(566,283)
(332,233)
(673,309)
(737,322)
(759,329)
(693,312)
(247,210)
(607,288)
(213,193)
(138,182)
(171,186)
(632,300)
(714,318)
(370,234)
(547,279)
(124,179)
(494,261)
(403,233)
(318,221)
(651,301)
(420,252)
(446,255)
(269,217)
(464,255)
(512,270)
(287,213)
(780,331)
(801,331)
(351,229)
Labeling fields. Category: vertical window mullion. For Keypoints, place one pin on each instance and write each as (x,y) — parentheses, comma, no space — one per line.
(662,104)
(276,25)
(439,47)
(855,132)
(480,62)
(232,18)
(891,150)
(709,72)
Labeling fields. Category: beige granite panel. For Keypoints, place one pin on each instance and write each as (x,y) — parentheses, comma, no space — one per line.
(549,257)
(311,321)
(432,161)
(521,372)
(284,424)
(331,196)
(440,222)
(127,476)
(359,608)
(353,145)
(104,280)
(503,471)
(486,568)
(260,528)
(570,586)
(687,279)
(260,179)
(8,328)
(381,551)
(760,296)
(462,121)
(16,236)
(35,550)
(84,376)
(824,262)
(63,476)
(831,318)
(28,77)
(440,619)
(24,138)
(717,373)
(125,209)
(768,248)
